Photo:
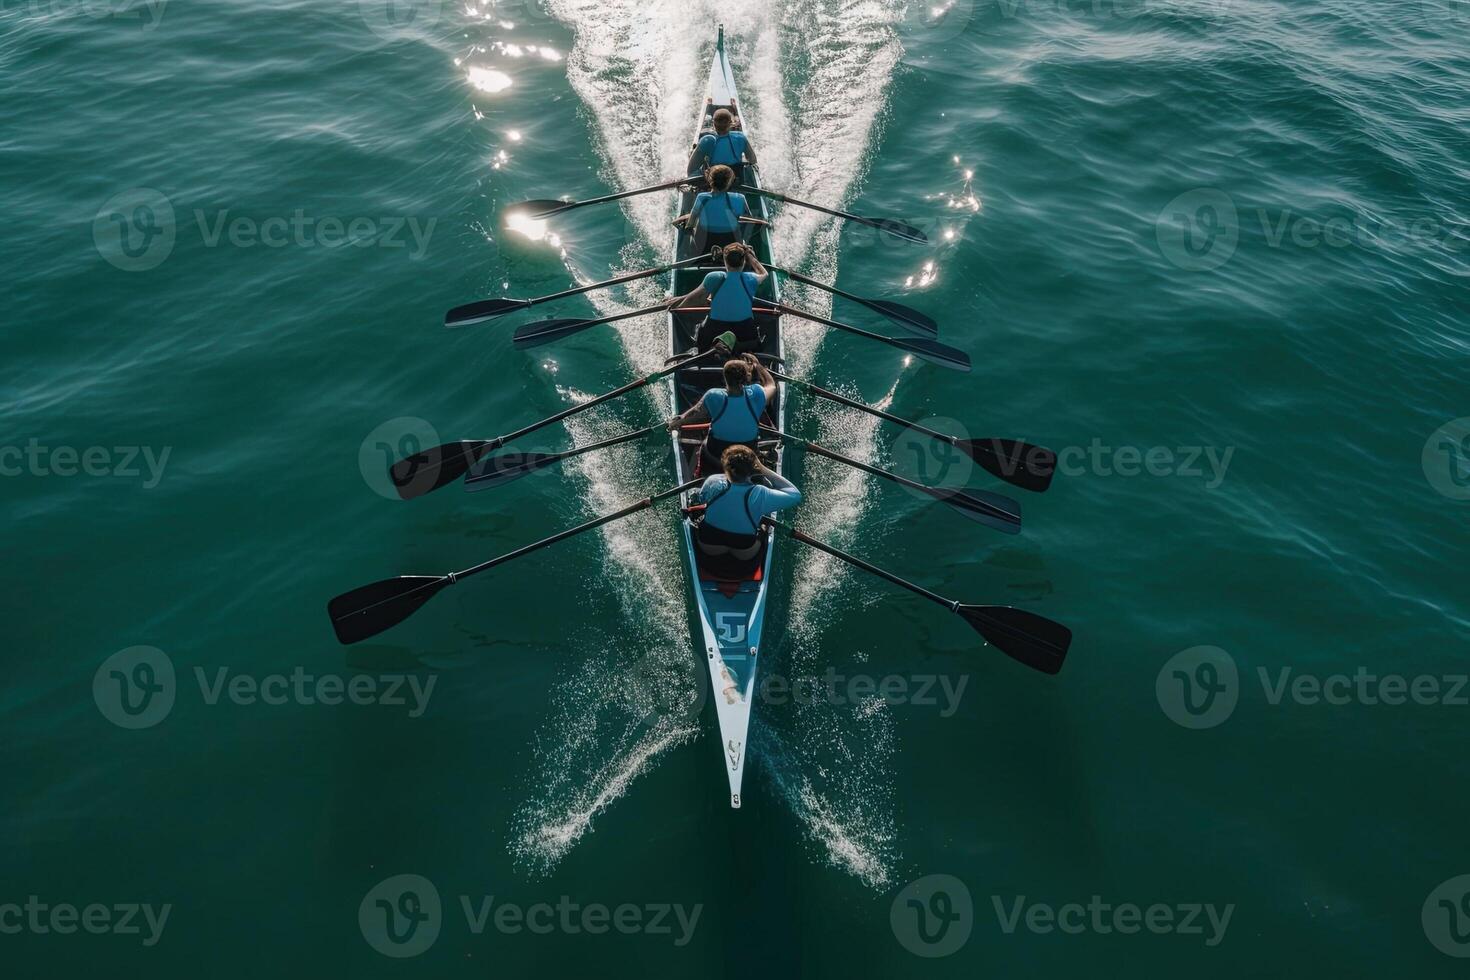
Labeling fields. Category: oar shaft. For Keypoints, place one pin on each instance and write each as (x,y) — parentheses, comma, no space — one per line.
(596,522)
(570,205)
(812,447)
(804,315)
(499,441)
(868,567)
(604,444)
(860,406)
(618,281)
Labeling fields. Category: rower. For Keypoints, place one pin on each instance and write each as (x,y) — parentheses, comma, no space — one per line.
(736,500)
(727,145)
(731,296)
(734,412)
(717,213)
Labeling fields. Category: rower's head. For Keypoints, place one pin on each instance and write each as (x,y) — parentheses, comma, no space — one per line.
(724,119)
(734,257)
(737,373)
(720,177)
(739,463)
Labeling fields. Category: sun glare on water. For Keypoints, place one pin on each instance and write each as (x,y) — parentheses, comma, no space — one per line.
(489,80)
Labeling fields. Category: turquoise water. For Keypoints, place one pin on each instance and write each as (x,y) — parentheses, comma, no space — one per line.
(1227,237)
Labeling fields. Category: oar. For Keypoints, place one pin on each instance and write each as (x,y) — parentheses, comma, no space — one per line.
(930,350)
(897,229)
(489,309)
(546,207)
(369,610)
(907,317)
(495,471)
(539,332)
(427,471)
(1033,640)
(990,509)
(1018,463)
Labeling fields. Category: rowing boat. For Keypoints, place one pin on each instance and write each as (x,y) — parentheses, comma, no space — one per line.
(730,597)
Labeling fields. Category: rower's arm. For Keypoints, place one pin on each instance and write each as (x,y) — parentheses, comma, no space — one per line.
(780,492)
(694,297)
(764,378)
(696,413)
(697,159)
(755,265)
(749,151)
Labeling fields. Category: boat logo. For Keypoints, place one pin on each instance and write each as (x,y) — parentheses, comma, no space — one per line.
(1198,687)
(1446,917)
(401,915)
(733,749)
(933,916)
(731,626)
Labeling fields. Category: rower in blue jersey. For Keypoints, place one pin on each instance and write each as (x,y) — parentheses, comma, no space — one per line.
(731,296)
(736,500)
(716,217)
(734,412)
(727,145)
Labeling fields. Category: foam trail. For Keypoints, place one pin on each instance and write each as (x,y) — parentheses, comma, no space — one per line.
(640,66)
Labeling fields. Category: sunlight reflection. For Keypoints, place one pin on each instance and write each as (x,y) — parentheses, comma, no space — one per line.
(489,80)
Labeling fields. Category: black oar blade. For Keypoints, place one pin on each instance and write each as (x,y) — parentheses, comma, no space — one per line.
(540,208)
(935,353)
(495,471)
(481,310)
(369,610)
(990,509)
(1033,640)
(425,472)
(539,332)
(919,324)
(1018,463)
(897,229)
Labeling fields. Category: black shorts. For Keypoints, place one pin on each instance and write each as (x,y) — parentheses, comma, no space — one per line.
(747,334)
(719,238)
(715,448)
(729,539)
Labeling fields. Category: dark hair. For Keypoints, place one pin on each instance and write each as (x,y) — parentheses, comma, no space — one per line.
(723,116)
(737,372)
(739,462)
(720,177)
(734,256)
